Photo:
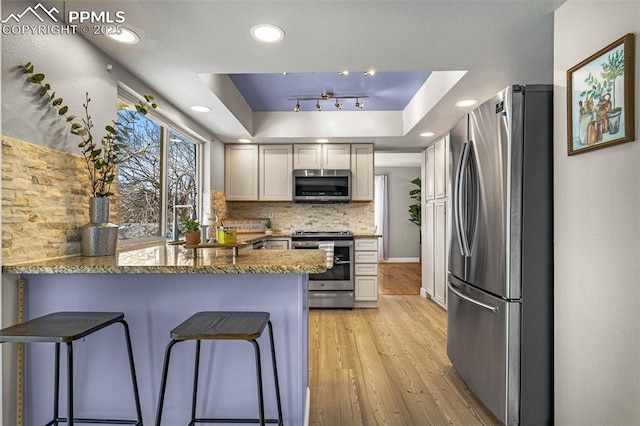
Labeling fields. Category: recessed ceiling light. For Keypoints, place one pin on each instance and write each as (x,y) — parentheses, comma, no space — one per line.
(125,36)
(322,140)
(466,103)
(199,108)
(267,33)
(244,140)
(427,134)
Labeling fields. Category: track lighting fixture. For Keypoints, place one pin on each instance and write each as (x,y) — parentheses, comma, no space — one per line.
(325,96)
(369,73)
(343,73)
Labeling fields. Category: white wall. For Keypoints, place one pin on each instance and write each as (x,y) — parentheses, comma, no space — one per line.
(403,235)
(597,240)
(74,66)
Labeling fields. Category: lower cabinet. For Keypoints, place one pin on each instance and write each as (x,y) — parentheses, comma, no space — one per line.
(440,254)
(435,251)
(366,272)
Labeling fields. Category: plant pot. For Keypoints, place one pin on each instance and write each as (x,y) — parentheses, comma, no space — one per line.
(268,232)
(614,120)
(98,237)
(192,238)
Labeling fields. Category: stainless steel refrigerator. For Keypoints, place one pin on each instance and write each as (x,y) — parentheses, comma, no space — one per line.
(500,281)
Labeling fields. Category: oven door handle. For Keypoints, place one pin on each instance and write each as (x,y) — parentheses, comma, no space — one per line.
(341,262)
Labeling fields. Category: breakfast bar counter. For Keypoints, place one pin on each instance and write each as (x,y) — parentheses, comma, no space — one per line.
(157,287)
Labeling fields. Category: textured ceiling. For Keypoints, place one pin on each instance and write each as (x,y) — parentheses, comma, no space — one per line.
(187,50)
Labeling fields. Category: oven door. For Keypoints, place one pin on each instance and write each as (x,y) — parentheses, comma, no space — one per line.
(340,276)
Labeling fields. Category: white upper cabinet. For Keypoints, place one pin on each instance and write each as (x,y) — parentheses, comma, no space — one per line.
(276,164)
(307,157)
(336,156)
(322,156)
(241,172)
(429,181)
(440,168)
(362,172)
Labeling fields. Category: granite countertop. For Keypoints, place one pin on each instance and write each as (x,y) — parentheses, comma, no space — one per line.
(175,259)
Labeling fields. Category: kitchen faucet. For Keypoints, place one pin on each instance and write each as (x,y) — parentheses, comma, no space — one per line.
(194,210)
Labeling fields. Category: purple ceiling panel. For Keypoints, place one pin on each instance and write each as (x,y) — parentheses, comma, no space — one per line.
(386,91)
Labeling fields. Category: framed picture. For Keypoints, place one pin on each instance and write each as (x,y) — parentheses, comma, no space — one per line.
(600,98)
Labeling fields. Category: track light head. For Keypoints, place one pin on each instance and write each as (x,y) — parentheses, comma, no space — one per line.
(338,104)
(297,107)
(359,104)
(318,106)
(369,73)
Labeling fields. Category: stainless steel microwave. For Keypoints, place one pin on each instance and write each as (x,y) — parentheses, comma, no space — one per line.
(322,186)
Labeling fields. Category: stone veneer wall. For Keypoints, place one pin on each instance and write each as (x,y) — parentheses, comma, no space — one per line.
(288,217)
(45,200)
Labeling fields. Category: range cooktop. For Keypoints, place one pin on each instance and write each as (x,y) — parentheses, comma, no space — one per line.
(322,234)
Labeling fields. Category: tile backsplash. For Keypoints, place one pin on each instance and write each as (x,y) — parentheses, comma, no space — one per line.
(289,217)
(45,200)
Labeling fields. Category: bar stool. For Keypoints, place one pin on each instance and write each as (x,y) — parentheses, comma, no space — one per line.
(223,326)
(67,327)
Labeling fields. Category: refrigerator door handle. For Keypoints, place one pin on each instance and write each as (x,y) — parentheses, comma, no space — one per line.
(460,187)
(491,308)
(456,210)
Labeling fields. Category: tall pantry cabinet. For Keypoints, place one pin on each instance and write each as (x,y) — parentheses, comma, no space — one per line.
(435,216)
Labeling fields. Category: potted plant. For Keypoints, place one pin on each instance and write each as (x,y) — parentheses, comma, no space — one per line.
(611,70)
(415,211)
(98,237)
(268,225)
(191,231)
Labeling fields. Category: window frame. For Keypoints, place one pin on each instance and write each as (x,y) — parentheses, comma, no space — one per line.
(128,97)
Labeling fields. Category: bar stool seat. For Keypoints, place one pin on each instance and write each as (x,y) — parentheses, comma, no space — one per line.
(67,327)
(223,326)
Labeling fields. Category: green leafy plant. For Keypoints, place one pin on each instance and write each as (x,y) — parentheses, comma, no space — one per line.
(612,69)
(268,224)
(190,225)
(415,209)
(103,157)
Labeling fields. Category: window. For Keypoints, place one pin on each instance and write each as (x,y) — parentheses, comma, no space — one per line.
(139,177)
(150,186)
(182,177)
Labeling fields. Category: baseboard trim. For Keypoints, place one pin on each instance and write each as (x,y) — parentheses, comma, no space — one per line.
(307,407)
(423,292)
(401,260)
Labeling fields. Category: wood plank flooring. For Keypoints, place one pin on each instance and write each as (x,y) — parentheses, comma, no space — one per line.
(387,366)
(399,278)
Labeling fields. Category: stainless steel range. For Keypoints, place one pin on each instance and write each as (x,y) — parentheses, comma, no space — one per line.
(334,288)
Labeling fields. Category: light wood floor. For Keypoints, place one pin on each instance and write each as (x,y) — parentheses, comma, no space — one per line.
(399,278)
(387,366)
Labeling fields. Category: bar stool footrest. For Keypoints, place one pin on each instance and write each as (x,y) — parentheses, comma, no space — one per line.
(241,421)
(78,420)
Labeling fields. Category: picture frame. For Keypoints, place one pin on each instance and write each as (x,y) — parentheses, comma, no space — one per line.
(600,98)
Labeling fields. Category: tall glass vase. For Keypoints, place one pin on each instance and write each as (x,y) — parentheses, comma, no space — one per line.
(98,237)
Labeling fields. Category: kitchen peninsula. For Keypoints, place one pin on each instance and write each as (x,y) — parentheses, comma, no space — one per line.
(157,287)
